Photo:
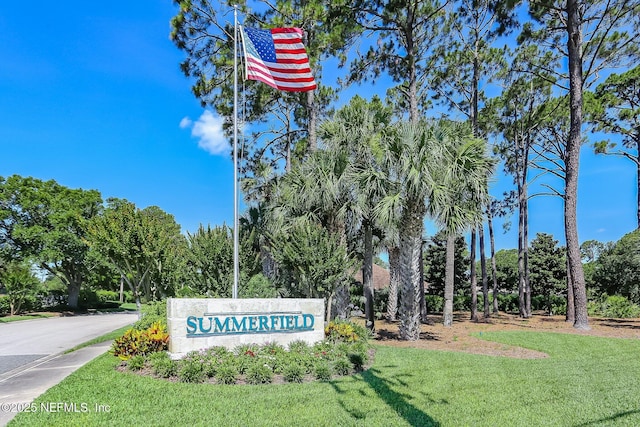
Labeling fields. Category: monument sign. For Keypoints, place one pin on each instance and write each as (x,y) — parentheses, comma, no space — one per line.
(197,323)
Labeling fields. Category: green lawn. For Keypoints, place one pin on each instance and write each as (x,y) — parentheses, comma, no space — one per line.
(586,381)
(8,319)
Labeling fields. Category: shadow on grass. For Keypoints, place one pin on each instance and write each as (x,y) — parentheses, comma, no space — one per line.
(387,335)
(607,420)
(397,401)
(619,323)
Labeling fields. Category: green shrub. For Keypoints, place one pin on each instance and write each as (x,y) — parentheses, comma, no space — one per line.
(358,360)
(359,355)
(508,303)
(593,308)
(128,297)
(106,296)
(299,346)
(5,307)
(559,306)
(259,286)
(293,373)
(340,349)
(345,331)
(135,363)
(356,295)
(151,313)
(227,373)
(322,370)
(461,303)
(322,349)
(258,364)
(303,360)
(342,366)
(88,298)
(380,300)
(218,352)
(435,303)
(191,370)
(246,349)
(136,342)
(21,288)
(272,349)
(187,292)
(162,365)
(614,306)
(259,374)
(246,355)
(278,363)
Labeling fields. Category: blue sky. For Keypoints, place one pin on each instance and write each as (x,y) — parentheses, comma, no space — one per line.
(91,95)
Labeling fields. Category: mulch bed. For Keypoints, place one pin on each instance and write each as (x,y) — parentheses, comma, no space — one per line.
(435,336)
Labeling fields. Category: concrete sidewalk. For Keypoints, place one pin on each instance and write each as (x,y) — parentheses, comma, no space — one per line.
(22,385)
(29,368)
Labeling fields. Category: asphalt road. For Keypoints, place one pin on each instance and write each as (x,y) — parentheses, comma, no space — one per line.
(31,359)
(55,334)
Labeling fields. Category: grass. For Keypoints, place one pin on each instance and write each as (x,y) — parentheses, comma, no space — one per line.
(106,337)
(127,306)
(585,381)
(8,319)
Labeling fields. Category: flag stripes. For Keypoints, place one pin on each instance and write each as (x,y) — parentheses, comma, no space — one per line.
(278,58)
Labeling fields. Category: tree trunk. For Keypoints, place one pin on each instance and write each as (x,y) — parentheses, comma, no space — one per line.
(269,266)
(413,72)
(571,310)
(485,279)
(473,278)
(367,275)
(342,296)
(341,302)
(449,279)
(287,162)
(410,241)
(394,282)
(74,295)
(423,301)
(525,237)
(494,268)
(572,162)
(522,310)
(638,177)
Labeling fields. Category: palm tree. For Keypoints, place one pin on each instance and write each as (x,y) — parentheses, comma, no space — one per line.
(315,192)
(357,132)
(455,203)
(415,151)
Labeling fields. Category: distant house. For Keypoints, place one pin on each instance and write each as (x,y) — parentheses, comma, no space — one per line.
(381,277)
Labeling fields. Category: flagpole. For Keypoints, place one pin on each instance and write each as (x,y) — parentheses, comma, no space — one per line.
(236,267)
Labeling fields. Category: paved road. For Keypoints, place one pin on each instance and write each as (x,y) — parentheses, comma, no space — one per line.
(31,359)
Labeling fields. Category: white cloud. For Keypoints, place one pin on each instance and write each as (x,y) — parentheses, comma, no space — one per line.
(185,123)
(208,130)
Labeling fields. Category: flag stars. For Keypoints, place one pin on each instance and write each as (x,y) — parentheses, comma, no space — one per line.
(277,57)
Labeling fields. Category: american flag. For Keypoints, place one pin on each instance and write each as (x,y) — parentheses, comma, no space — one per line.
(277,57)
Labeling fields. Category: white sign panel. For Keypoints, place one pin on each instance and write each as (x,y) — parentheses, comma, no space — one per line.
(197,323)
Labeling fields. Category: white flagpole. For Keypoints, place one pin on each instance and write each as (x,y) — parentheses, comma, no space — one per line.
(236,263)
